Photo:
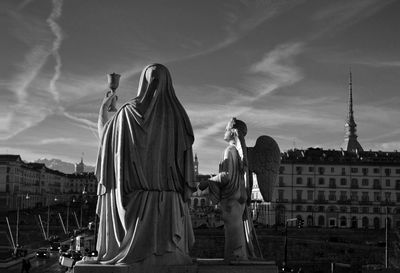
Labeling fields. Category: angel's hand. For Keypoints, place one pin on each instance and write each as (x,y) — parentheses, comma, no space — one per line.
(203,185)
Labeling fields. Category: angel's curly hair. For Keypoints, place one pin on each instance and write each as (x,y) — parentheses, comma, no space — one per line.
(239,125)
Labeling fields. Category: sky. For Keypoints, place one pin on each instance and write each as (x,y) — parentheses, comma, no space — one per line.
(280,66)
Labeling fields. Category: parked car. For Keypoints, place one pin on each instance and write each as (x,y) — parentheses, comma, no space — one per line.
(42,253)
(64,248)
(55,246)
(76,256)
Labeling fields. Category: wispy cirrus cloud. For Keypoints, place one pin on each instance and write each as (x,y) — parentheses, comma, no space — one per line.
(30,69)
(380,64)
(334,16)
(59,140)
(276,69)
(56,29)
(24,4)
(242,17)
(32,105)
(83,122)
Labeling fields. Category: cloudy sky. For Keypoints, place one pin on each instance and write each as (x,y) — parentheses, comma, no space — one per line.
(281,66)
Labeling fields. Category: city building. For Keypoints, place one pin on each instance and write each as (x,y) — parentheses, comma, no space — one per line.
(329,188)
(80,167)
(342,188)
(30,185)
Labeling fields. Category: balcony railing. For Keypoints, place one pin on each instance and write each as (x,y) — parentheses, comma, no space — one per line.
(388,203)
(377,187)
(365,202)
(321,201)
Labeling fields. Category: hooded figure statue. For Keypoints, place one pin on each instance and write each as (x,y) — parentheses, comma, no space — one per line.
(145,174)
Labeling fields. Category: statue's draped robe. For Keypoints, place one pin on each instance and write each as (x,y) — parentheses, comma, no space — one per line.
(229,190)
(145,171)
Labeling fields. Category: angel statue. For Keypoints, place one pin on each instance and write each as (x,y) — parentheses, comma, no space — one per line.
(232,187)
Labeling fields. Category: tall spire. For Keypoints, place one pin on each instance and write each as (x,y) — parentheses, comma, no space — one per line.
(196,166)
(350,116)
(351,143)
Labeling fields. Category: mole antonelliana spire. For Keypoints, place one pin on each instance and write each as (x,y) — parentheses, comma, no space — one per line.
(351,143)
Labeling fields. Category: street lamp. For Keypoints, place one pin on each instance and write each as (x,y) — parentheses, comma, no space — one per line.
(286,238)
(84,201)
(19,204)
(48,215)
(386,235)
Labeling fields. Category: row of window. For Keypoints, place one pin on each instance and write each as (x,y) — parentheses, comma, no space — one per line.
(343,209)
(343,221)
(354,170)
(354,182)
(332,196)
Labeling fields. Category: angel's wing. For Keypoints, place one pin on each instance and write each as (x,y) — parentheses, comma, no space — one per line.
(264,161)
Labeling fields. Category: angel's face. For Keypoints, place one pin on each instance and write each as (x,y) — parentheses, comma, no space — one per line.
(228,136)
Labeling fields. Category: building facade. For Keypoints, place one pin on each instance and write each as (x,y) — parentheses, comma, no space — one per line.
(328,188)
(31,185)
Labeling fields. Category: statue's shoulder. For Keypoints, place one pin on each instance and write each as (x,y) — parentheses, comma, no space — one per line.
(231,149)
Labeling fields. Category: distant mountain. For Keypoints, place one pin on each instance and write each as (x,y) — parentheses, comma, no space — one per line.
(62,166)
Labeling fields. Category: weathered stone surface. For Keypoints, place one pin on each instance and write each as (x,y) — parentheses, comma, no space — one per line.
(201,266)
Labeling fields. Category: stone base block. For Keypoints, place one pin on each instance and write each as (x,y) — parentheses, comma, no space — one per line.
(98,268)
(201,266)
(219,266)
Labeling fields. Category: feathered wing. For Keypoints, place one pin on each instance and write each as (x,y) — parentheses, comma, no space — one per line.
(264,161)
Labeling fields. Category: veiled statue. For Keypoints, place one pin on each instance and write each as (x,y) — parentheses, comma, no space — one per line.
(145,174)
(232,188)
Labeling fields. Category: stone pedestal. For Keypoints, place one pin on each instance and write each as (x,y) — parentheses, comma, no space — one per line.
(219,265)
(199,266)
(97,268)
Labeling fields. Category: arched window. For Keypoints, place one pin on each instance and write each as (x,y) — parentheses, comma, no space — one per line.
(365,222)
(354,222)
(343,221)
(389,223)
(377,223)
(321,221)
(310,221)
(202,202)
(196,202)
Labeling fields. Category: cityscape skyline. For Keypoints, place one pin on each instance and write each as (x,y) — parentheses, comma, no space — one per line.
(280,66)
